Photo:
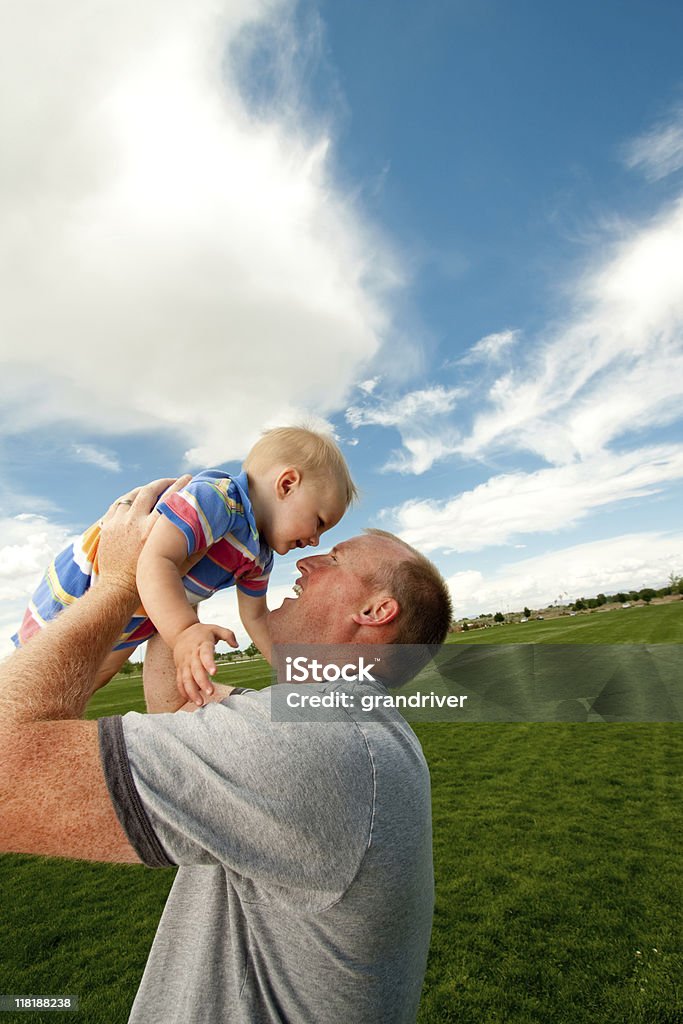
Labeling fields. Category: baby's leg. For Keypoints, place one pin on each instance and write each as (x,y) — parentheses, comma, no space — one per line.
(111,665)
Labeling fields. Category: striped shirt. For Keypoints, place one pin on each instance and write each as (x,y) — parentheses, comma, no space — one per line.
(213,511)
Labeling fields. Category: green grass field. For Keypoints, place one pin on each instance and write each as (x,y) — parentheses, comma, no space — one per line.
(556,850)
(640,624)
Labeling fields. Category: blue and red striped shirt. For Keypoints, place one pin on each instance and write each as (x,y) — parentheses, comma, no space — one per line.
(213,512)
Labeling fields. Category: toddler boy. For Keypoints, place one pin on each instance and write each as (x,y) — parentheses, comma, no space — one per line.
(218,531)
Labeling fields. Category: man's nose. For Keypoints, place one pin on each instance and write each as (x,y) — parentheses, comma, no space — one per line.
(309,563)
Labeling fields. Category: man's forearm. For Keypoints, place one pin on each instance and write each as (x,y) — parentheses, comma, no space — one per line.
(53,676)
(159,678)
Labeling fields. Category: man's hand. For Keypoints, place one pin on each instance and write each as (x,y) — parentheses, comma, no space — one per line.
(125,527)
(193,653)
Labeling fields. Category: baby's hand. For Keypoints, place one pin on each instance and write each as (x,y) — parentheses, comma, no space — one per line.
(193,656)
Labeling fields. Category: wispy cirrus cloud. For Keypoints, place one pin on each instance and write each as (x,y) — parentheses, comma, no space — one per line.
(511,505)
(491,347)
(396,412)
(416,415)
(658,152)
(95,456)
(607,367)
(615,368)
(369,385)
(618,563)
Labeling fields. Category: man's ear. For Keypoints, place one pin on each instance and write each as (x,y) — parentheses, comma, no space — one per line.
(380,612)
(287,481)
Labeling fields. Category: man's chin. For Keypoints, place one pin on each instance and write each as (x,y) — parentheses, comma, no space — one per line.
(279,624)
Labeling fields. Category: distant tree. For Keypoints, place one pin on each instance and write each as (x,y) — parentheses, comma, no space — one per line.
(251,651)
(646,594)
(465,627)
(527,612)
(621,597)
(580,605)
(128,668)
(601,599)
(499,617)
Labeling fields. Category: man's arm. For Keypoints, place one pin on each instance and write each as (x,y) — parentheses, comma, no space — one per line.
(53,795)
(162,693)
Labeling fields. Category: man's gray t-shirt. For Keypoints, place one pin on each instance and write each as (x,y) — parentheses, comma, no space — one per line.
(305,891)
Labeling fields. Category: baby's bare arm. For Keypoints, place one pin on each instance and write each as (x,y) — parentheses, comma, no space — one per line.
(254,616)
(160,584)
(159,580)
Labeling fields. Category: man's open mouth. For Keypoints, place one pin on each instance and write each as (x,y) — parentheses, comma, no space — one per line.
(298,590)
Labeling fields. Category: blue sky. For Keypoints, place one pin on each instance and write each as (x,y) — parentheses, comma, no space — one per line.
(452,231)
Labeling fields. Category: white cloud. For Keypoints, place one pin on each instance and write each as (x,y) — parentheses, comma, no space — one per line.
(658,152)
(416,415)
(426,403)
(607,566)
(223,278)
(491,347)
(548,500)
(89,453)
(368,386)
(29,543)
(421,451)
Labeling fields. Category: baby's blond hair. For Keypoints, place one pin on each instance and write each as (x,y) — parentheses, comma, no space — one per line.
(307,450)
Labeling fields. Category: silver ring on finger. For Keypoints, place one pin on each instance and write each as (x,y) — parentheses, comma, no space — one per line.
(124,501)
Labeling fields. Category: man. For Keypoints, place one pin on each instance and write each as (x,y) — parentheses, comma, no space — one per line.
(305,890)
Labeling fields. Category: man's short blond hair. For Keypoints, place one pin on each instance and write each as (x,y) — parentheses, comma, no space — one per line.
(309,451)
(422,594)
(425,613)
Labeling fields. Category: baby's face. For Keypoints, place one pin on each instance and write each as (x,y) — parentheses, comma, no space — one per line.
(309,508)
